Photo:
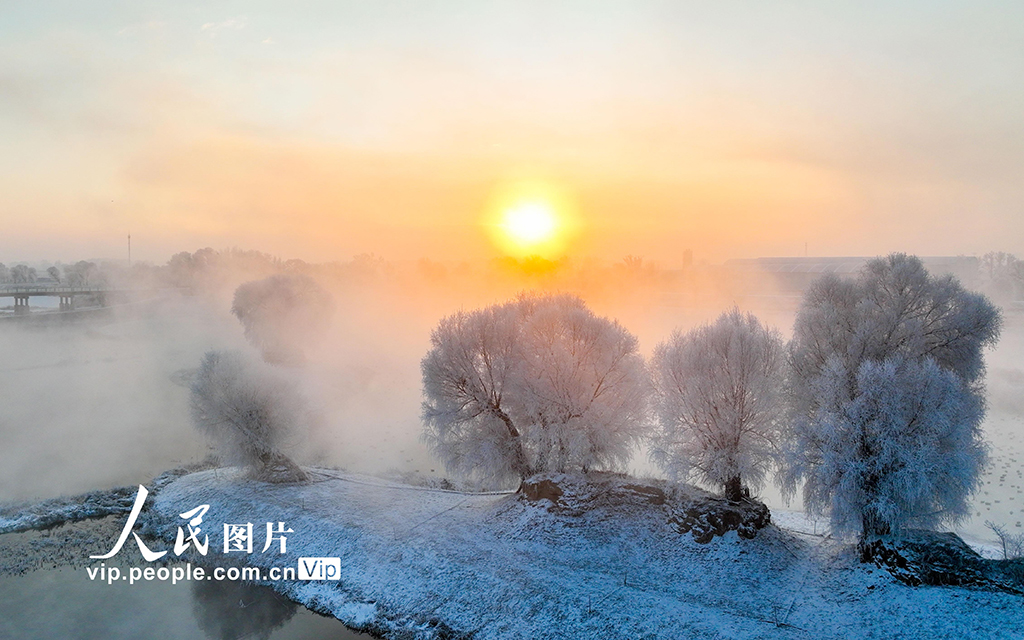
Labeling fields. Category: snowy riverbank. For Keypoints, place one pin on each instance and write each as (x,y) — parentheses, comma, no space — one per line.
(424,563)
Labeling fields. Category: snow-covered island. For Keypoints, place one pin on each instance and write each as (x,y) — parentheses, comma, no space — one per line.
(603,560)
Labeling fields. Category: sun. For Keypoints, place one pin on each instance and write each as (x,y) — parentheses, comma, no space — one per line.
(531,218)
(530,223)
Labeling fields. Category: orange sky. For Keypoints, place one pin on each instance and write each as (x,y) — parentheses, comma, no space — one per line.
(324,130)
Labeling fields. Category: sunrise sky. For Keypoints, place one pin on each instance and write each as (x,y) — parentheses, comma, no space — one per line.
(321,130)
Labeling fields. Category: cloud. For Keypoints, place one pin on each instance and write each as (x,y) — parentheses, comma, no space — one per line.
(231,24)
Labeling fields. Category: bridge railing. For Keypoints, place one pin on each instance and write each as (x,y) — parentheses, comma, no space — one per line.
(7,289)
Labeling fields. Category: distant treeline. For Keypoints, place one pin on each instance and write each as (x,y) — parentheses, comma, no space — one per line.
(997,274)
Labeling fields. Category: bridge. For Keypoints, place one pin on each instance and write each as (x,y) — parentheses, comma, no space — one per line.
(23,291)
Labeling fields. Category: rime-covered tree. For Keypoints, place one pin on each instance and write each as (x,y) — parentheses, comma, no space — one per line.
(23,274)
(283,315)
(1002,276)
(584,386)
(536,384)
(894,336)
(471,376)
(1012,543)
(248,410)
(82,274)
(718,397)
(906,449)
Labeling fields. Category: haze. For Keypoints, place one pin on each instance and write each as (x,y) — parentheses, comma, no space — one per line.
(388,145)
(322,130)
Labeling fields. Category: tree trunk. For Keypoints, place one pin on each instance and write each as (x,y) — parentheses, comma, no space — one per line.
(277,467)
(872,525)
(519,464)
(734,489)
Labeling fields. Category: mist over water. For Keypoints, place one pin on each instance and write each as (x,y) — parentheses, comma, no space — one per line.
(94,403)
(102,402)
(666,162)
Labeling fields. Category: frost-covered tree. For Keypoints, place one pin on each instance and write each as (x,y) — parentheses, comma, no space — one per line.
(248,410)
(82,274)
(54,274)
(1012,543)
(1002,276)
(584,386)
(718,397)
(23,274)
(894,336)
(471,376)
(906,448)
(5,273)
(894,307)
(536,384)
(283,315)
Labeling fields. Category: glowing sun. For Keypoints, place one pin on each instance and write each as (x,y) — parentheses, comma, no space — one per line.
(531,218)
(530,223)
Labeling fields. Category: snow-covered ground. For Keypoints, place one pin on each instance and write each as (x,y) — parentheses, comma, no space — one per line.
(424,563)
